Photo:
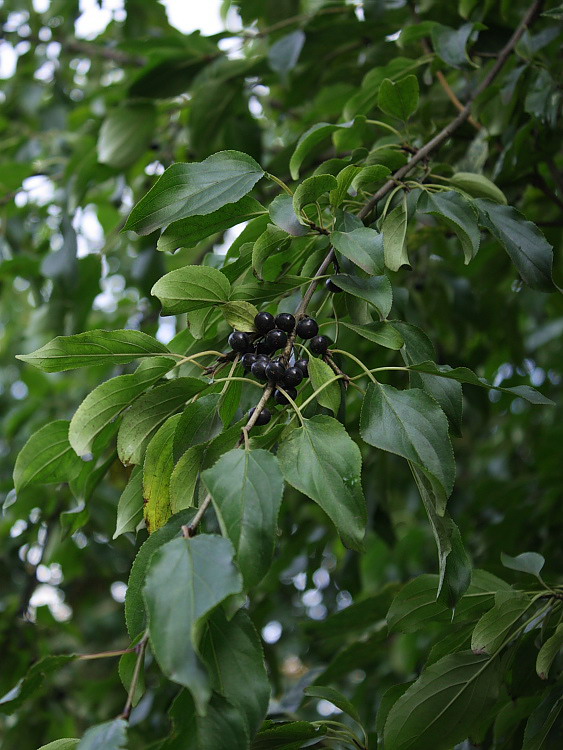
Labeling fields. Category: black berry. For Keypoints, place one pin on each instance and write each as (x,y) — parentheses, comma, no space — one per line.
(307,328)
(332,287)
(293,376)
(248,360)
(286,322)
(320,344)
(276,339)
(263,348)
(239,341)
(281,399)
(303,365)
(264,322)
(258,369)
(275,372)
(263,418)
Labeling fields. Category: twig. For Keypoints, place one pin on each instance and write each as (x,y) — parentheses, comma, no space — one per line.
(106,654)
(135,679)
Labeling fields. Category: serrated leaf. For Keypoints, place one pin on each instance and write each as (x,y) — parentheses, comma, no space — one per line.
(412,425)
(195,189)
(247,487)
(382,333)
(94,348)
(157,468)
(375,290)
(283,215)
(126,134)
(399,98)
(321,373)
(311,189)
(441,708)
(548,652)
(458,214)
(309,140)
(478,186)
(364,247)
(112,735)
(47,457)
(526,562)
(240,315)
(495,626)
(321,460)
(191,288)
(186,579)
(130,505)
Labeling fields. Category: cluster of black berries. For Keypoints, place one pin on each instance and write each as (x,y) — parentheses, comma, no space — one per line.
(257,350)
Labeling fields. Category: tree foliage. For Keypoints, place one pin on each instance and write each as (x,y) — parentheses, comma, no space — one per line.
(202,549)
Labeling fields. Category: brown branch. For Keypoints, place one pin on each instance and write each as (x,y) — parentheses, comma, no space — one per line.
(88,49)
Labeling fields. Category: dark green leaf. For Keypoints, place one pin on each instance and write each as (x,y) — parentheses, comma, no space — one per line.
(544,727)
(47,457)
(32,682)
(399,98)
(450,44)
(130,505)
(311,190)
(309,140)
(126,134)
(364,247)
(382,333)
(321,373)
(548,652)
(478,186)
(199,423)
(376,290)
(458,214)
(394,230)
(157,468)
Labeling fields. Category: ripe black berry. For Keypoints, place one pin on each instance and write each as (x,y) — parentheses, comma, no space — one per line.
(258,369)
(248,360)
(263,348)
(286,322)
(293,376)
(276,339)
(275,372)
(264,322)
(303,365)
(307,328)
(281,399)
(239,341)
(332,287)
(320,344)
(263,418)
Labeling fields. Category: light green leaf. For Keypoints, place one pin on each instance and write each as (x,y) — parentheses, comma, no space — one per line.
(188,232)
(394,230)
(157,468)
(240,315)
(441,708)
(364,247)
(47,457)
(64,744)
(149,412)
(376,290)
(320,373)
(321,460)
(369,175)
(526,562)
(112,735)
(272,241)
(283,215)
(108,400)
(284,53)
(94,348)
(381,333)
(186,580)
(411,424)
(450,44)
(548,652)
(126,134)
(495,626)
(247,488)
(130,505)
(191,288)
(195,189)
(309,140)
(200,422)
(311,190)
(528,249)
(344,179)
(399,98)
(458,214)
(478,186)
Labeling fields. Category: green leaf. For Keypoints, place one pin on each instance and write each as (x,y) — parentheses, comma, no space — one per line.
(191,288)
(321,460)
(374,173)
(528,249)
(32,682)
(284,53)
(399,98)
(335,697)
(157,468)
(548,652)
(64,744)
(149,412)
(287,735)
(344,179)
(186,580)
(388,700)
(495,626)
(450,44)
(223,725)
(458,214)
(130,505)
(394,230)
(94,348)
(272,241)
(411,424)
(195,189)
(247,487)
(200,422)
(126,134)
(134,606)
(309,140)
(364,247)
(47,457)
(188,232)
(382,333)
(376,290)
(543,728)
(108,400)
(283,215)
(320,373)
(233,655)
(441,708)
(240,315)
(526,562)
(112,735)
(478,186)
(311,190)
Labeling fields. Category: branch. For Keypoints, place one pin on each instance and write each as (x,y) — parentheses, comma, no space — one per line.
(88,49)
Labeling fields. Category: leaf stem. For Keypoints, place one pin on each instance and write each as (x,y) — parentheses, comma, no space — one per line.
(135,679)
(279,182)
(384,125)
(357,361)
(106,654)
(293,404)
